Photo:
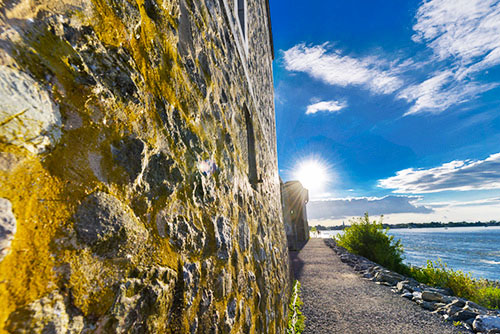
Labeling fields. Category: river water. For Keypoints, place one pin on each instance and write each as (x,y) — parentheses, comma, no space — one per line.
(470,249)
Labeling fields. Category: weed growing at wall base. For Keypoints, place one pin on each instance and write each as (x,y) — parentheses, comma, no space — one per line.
(296,320)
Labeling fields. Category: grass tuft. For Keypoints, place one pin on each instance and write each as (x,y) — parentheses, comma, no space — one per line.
(296,320)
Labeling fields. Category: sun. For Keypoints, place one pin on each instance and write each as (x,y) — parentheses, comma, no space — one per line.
(312,173)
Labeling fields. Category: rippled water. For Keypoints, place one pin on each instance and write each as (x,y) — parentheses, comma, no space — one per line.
(471,249)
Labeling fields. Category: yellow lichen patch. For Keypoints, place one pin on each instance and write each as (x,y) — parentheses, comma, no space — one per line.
(26,9)
(40,208)
(109,28)
(47,52)
(162,254)
(91,281)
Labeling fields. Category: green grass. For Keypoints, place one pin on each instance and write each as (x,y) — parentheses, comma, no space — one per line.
(370,240)
(462,284)
(296,320)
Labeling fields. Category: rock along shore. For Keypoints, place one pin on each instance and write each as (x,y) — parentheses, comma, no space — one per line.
(473,317)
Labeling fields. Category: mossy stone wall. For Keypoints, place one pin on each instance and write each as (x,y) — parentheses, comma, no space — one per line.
(133,198)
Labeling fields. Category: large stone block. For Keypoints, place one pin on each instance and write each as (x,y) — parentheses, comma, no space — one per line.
(110,229)
(28,116)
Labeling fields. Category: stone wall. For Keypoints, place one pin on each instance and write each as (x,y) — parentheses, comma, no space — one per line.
(138,172)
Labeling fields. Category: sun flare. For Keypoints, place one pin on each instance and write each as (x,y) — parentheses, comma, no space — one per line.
(313,174)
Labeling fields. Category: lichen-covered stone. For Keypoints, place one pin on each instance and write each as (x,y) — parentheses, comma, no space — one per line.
(7,227)
(181,232)
(161,176)
(223,237)
(46,315)
(129,153)
(244,232)
(110,229)
(8,161)
(141,299)
(223,285)
(191,276)
(230,315)
(28,116)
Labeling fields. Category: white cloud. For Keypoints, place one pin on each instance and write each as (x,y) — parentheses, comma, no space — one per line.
(472,211)
(330,106)
(463,33)
(456,213)
(456,175)
(466,30)
(474,203)
(441,91)
(331,67)
(357,206)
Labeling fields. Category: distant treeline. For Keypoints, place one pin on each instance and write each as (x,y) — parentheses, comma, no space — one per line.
(418,225)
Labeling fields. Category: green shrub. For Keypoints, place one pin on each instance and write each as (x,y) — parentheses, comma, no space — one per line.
(369,239)
(462,284)
(296,320)
(488,296)
(438,274)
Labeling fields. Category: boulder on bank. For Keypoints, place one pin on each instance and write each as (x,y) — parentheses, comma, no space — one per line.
(432,296)
(389,277)
(487,323)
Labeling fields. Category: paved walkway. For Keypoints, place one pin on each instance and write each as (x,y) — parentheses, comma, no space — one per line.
(337,300)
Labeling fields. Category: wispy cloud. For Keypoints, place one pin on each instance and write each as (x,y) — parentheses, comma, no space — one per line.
(440,92)
(463,33)
(330,66)
(466,30)
(456,175)
(329,106)
(475,203)
(357,206)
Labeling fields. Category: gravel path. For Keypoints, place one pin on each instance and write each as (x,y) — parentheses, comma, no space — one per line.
(337,300)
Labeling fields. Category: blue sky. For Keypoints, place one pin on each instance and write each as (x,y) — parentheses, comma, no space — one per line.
(400,100)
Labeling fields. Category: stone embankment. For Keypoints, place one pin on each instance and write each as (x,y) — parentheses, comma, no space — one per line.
(471,316)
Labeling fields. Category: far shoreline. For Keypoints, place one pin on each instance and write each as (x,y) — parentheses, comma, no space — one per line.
(416,225)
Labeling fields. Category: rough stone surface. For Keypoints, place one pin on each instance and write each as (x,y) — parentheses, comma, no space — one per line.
(8,161)
(140,299)
(388,276)
(102,223)
(223,237)
(181,232)
(129,154)
(28,116)
(46,315)
(485,323)
(432,296)
(7,227)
